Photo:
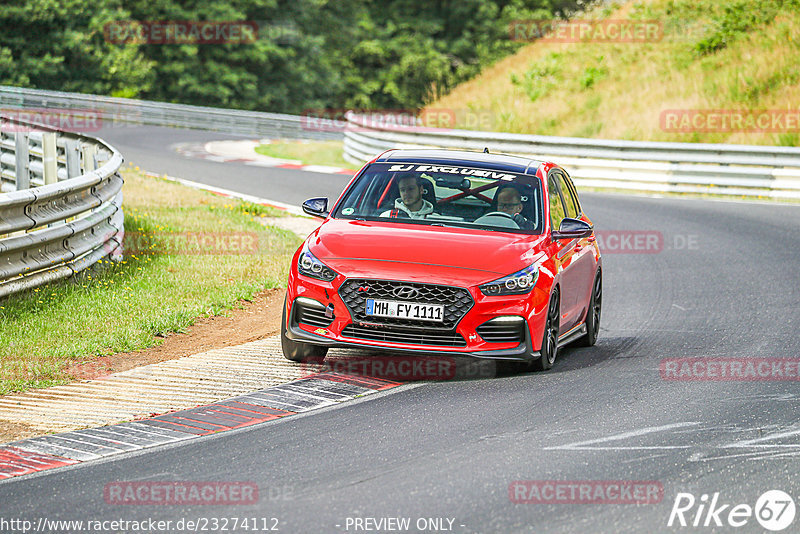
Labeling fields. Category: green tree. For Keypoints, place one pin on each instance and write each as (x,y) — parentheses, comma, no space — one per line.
(60,44)
(310,54)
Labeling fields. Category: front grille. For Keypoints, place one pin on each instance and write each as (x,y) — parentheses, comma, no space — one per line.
(311,315)
(502,331)
(399,334)
(456,300)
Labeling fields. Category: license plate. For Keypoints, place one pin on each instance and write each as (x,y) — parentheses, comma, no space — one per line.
(405,310)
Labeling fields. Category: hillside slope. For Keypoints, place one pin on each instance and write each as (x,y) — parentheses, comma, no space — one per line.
(729,55)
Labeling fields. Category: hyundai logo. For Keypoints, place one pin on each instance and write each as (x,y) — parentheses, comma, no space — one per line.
(405,292)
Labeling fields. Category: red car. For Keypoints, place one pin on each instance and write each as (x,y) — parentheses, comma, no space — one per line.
(450,253)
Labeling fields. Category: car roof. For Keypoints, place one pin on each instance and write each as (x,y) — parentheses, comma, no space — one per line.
(466,158)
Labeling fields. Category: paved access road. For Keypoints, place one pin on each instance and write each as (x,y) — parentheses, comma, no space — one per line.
(725,285)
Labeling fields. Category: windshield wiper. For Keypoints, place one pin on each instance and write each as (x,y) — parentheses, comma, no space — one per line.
(461,225)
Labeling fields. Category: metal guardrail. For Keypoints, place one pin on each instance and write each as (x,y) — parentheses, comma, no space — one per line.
(112,110)
(737,170)
(60,205)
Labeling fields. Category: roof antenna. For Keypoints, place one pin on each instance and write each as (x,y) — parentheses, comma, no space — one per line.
(486,150)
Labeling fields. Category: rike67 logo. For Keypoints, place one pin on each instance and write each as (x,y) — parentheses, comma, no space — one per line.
(774,510)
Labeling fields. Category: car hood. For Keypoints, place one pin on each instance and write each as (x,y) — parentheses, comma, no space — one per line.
(421,253)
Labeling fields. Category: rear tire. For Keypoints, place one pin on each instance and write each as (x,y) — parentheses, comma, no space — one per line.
(297,351)
(549,349)
(593,313)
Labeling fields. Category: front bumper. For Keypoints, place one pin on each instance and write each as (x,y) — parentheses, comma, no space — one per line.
(519,353)
(485,308)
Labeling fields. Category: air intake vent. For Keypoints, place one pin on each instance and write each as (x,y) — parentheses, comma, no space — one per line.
(311,314)
(503,330)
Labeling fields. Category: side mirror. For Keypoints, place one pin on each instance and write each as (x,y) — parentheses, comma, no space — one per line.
(318,207)
(572,229)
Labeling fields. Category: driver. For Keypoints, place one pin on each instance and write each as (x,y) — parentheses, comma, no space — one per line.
(410,201)
(510,201)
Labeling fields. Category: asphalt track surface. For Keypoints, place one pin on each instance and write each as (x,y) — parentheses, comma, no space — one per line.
(724,285)
(151,148)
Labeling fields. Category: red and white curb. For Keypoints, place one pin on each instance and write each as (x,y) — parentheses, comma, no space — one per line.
(244,152)
(312,392)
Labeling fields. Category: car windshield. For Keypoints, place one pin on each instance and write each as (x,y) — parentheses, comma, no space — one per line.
(445,195)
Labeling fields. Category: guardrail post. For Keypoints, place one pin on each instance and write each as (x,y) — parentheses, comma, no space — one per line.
(72,153)
(22,174)
(89,158)
(49,161)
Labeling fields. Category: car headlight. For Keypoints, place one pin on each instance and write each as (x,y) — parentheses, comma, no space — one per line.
(309,265)
(519,283)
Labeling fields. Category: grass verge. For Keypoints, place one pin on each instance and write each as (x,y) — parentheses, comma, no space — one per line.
(307,152)
(171,275)
(708,55)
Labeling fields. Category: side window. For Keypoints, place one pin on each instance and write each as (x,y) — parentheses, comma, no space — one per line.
(573,192)
(556,205)
(570,201)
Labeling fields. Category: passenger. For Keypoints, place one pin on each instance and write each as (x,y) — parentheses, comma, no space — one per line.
(410,201)
(510,201)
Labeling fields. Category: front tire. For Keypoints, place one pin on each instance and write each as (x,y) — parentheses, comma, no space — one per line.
(548,355)
(549,349)
(593,313)
(297,351)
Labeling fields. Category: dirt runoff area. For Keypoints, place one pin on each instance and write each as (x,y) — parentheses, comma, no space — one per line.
(256,319)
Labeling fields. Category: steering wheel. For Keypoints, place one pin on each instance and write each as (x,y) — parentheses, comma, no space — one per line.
(498,218)
(500,213)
